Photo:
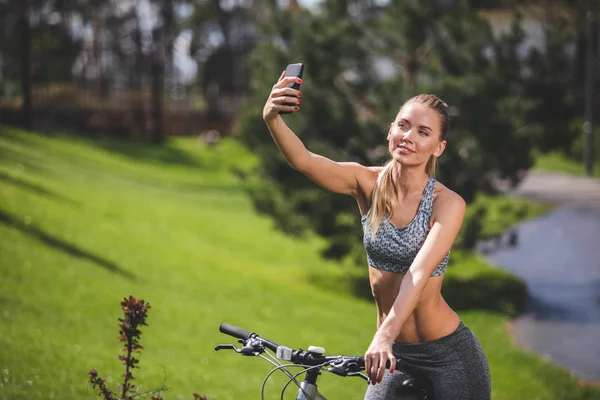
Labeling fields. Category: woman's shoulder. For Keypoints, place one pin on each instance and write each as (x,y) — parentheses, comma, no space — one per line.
(371,174)
(366,184)
(376,170)
(445,198)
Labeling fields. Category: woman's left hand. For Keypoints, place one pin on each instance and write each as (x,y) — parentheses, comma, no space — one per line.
(376,357)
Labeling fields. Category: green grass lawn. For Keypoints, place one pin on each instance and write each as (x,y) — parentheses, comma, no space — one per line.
(557,162)
(84,224)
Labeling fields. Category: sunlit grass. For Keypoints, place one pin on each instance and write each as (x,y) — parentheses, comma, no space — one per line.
(558,162)
(85,223)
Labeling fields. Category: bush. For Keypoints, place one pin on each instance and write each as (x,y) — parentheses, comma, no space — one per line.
(472,284)
(490,217)
(579,143)
(135,313)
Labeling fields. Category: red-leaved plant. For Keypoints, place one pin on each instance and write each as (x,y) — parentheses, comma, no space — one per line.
(135,313)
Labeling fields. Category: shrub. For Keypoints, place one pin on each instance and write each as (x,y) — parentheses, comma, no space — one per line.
(135,313)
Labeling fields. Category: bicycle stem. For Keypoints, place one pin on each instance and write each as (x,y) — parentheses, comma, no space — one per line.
(308,388)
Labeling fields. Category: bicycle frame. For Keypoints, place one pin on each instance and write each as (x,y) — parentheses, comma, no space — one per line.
(308,387)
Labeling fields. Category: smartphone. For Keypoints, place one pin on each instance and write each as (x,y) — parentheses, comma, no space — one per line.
(296,70)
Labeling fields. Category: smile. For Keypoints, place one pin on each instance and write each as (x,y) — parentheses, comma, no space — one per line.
(403,149)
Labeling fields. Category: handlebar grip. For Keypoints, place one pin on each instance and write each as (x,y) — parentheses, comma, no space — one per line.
(234,331)
(361,362)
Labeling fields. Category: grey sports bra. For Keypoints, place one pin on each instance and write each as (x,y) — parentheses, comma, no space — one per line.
(394,249)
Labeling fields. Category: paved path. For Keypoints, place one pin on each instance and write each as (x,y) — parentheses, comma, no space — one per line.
(561,189)
(558,256)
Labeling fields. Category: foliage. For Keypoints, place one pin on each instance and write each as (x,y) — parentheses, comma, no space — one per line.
(571,161)
(489,217)
(134,316)
(98,47)
(558,162)
(347,105)
(471,283)
(550,83)
(579,143)
(331,127)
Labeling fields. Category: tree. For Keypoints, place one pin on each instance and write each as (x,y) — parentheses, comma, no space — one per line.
(330,45)
(164,34)
(140,49)
(551,81)
(37,39)
(25,63)
(223,36)
(347,104)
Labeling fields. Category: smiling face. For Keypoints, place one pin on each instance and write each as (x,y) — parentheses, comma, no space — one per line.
(416,135)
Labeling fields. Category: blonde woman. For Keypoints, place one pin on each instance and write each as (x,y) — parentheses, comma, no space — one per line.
(410,222)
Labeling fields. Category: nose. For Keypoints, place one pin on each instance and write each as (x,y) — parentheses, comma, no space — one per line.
(408,134)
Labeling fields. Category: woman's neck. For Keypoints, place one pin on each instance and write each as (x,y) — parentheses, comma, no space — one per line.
(408,179)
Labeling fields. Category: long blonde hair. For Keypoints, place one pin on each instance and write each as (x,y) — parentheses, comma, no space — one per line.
(383,199)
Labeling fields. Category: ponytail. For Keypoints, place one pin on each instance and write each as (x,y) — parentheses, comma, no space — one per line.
(383,198)
(430,166)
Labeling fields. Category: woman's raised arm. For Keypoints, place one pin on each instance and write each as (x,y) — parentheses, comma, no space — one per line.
(338,177)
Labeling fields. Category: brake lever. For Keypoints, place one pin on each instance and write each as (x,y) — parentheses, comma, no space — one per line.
(360,374)
(338,371)
(227,347)
(343,372)
(249,348)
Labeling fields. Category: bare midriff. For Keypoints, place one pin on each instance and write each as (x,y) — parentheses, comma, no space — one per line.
(431,319)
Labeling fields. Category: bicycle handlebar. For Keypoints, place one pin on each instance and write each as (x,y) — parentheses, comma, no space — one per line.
(341,365)
(312,359)
(245,335)
(234,331)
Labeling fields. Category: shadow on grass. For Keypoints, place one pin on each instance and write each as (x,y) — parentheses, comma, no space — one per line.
(35,188)
(154,153)
(59,244)
(142,150)
(149,152)
(9,156)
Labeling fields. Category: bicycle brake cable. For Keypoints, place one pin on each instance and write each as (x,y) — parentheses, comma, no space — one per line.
(275,359)
(299,373)
(284,370)
(292,378)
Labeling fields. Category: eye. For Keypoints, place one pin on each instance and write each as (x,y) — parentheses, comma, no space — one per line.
(424,133)
(402,125)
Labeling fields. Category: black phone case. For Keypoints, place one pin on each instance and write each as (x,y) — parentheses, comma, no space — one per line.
(293,70)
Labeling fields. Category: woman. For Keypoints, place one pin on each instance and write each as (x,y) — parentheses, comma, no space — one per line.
(410,222)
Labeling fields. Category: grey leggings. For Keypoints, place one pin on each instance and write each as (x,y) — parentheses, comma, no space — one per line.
(455,364)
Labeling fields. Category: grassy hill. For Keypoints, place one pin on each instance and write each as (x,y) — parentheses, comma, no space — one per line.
(85,223)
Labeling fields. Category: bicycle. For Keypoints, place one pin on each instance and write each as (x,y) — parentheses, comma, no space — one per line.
(313,361)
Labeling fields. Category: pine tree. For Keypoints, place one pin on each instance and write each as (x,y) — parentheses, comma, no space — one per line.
(348,103)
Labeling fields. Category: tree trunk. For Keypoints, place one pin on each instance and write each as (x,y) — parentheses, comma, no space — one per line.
(580,47)
(98,53)
(25,48)
(589,87)
(135,75)
(157,88)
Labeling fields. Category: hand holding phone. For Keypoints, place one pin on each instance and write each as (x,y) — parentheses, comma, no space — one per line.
(284,97)
(294,70)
